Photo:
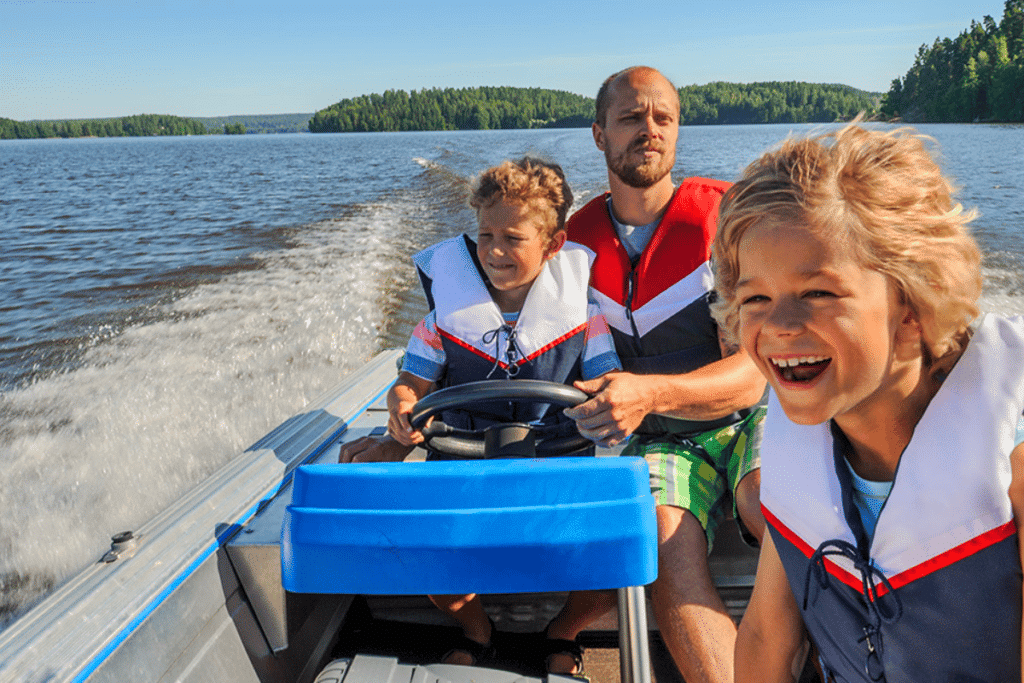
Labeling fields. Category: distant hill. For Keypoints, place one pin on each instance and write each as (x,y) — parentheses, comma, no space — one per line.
(773,102)
(977,76)
(140,125)
(144,125)
(491,108)
(260,123)
(481,108)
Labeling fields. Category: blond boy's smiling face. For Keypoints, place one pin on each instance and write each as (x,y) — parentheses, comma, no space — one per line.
(828,333)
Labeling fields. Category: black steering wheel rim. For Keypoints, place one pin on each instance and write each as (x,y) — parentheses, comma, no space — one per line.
(469,443)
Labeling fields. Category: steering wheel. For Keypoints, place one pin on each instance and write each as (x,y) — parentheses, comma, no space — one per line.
(514,439)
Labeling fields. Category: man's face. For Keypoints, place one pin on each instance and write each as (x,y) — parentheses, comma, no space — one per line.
(640,128)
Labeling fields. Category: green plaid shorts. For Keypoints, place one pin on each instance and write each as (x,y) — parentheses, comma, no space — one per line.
(700,472)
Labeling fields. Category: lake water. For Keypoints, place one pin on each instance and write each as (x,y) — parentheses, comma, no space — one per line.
(164,302)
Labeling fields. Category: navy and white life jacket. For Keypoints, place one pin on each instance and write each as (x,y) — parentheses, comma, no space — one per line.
(935,595)
(546,342)
(658,307)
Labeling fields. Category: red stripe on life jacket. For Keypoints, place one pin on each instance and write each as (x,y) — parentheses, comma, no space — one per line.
(502,364)
(940,561)
(953,555)
(469,347)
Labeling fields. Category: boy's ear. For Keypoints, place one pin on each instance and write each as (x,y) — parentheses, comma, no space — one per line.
(556,242)
(909,334)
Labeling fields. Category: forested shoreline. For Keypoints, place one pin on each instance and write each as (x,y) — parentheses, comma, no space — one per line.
(482,108)
(977,76)
(263,124)
(148,125)
(452,109)
(140,125)
(722,103)
(508,107)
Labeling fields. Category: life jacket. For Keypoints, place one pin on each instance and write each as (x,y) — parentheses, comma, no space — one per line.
(658,307)
(547,341)
(935,595)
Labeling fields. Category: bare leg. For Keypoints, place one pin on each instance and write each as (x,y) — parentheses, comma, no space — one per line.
(748,504)
(468,610)
(580,610)
(693,621)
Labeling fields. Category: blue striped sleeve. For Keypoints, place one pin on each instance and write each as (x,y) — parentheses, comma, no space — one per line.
(424,355)
(599,356)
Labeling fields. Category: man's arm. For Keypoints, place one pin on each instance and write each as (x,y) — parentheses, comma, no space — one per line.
(621,400)
(373,449)
(401,437)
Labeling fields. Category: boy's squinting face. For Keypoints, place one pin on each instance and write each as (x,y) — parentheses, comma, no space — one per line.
(512,248)
(822,328)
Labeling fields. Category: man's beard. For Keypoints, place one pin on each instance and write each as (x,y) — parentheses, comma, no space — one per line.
(640,175)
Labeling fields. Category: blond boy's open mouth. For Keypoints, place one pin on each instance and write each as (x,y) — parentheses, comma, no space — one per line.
(801,368)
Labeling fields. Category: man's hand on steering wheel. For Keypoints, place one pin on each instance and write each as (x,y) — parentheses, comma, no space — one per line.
(618,404)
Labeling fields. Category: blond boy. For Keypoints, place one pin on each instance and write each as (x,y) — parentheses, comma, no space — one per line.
(891,482)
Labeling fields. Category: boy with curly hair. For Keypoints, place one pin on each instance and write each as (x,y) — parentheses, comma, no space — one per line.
(512,305)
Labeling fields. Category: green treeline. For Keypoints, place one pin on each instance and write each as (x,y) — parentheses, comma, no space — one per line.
(259,123)
(128,126)
(979,76)
(492,108)
(774,102)
(451,109)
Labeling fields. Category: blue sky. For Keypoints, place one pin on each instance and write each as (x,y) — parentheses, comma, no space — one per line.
(82,59)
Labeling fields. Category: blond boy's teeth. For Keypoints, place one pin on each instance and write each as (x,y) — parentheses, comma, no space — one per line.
(793,362)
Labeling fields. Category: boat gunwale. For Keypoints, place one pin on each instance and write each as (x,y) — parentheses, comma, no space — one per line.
(48,640)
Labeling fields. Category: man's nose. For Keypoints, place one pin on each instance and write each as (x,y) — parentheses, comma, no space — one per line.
(650,127)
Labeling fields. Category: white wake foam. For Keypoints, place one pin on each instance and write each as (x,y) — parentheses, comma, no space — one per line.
(151,412)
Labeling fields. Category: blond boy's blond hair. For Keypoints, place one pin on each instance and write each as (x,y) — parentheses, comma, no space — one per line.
(881,193)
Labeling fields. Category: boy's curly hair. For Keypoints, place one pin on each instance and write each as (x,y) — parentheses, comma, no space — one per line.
(883,194)
(531,182)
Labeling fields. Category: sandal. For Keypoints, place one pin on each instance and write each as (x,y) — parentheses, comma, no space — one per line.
(560,646)
(479,653)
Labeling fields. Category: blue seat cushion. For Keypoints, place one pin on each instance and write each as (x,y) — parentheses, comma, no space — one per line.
(488,526)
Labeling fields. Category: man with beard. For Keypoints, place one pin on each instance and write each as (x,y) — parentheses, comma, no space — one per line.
(690,405)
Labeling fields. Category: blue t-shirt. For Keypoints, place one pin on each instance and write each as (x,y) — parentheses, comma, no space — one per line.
(634,237)
(869,496)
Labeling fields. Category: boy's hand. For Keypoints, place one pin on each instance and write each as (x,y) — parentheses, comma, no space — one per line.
(399,427)
(619,403)
(373,449)
(402,398)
